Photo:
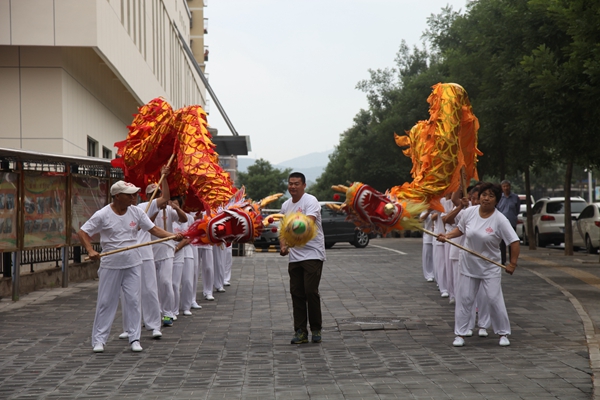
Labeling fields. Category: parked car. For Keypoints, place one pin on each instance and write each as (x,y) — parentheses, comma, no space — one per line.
(586,229)
(549,220)
(522,217)
(336,229)
(270,233)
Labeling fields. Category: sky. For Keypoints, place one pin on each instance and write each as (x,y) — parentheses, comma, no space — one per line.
(286,71)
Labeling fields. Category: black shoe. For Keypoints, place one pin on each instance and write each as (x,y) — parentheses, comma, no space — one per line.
(300,337)
(316,336)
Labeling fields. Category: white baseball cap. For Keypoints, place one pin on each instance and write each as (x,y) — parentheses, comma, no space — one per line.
(123,187)
(151,188)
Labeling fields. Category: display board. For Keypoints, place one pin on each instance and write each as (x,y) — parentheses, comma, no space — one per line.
(88,195)
(8,210)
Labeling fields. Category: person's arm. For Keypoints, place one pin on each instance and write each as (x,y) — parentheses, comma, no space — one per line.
(164,188)
(515,249)
(424,215)
(86,240)
(449,218)
(454,233)
(161,233)
(180,213)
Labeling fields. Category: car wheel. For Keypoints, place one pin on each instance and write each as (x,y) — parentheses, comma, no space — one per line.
(589,247)
(361,239)
(329,245)
(538,241)
(525,238)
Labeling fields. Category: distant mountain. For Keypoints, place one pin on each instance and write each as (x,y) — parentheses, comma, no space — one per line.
(311,165)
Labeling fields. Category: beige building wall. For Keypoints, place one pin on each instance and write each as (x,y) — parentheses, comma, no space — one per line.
(70,69)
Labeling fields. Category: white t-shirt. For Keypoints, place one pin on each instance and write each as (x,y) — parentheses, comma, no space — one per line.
(143,236)
(315,248)
(165,250)
(483,235)
(116,232)
(455,251)
(428,225)
(180,227)
(438,226)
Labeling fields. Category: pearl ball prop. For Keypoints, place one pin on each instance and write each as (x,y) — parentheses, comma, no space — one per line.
(298,227)
(389,209)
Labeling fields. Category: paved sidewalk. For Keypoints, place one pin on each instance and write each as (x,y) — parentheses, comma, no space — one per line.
(387,335)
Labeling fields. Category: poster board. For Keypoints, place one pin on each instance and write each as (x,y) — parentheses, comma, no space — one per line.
(44,209)
(8,211)
(88,195)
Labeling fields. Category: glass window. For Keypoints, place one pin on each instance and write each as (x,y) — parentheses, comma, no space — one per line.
(92,147)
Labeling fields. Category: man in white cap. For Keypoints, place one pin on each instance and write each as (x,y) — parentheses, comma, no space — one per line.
(118,224)
(150,303)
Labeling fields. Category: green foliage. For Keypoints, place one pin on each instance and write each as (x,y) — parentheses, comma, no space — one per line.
(262,180)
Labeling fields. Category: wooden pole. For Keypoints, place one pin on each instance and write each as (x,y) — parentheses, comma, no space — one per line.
(463,180)
(159,183)
(135,246)
(462,248)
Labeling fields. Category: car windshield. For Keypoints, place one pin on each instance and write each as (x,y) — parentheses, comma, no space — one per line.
(558,207)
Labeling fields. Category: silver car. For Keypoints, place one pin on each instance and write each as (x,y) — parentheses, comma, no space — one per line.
(586,229)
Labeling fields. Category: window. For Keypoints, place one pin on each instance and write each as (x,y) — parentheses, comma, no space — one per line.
(92,147)
(106,153)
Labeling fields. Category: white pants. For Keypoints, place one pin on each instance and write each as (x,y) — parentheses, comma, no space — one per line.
(449,271)
(208,269)
(188,295)
(150,303)
(491,290)
(228,261)
(428,260)
(164,279)
(219,261)
(177,273)
(111,282)
(439,264)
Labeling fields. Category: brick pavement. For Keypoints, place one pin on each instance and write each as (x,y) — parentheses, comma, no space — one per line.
(387,334)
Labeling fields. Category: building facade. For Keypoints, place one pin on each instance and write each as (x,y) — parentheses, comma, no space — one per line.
(72,72)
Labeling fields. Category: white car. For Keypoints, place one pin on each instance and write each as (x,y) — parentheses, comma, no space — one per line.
(522,217)
(586,229)
(549,219)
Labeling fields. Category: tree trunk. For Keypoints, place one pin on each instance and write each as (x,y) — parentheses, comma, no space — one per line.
(568,221)
(529,227)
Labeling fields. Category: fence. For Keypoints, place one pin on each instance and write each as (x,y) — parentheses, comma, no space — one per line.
(44,200)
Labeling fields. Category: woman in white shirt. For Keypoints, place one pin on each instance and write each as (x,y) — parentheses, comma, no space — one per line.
(484,227)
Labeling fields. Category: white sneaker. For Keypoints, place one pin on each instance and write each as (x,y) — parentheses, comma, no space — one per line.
(99,348)
(504,341)
(136,346)
(226,284)
(469,333)
(124,335)
(458,342)
(196,305)
(174,317)
(445,294)
(452,301)
(430,280)
(220,290)
(187,312)
(209,297)
(483,332)
(156,334)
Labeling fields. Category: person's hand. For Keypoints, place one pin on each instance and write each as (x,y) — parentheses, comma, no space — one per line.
(179,237)
(93,255)
(442,238)
(510,268)
(165,170)
(174,204)
(284,251)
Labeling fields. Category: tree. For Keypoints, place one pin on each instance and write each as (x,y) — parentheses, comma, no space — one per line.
(262,180)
